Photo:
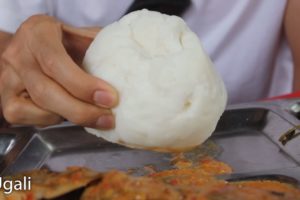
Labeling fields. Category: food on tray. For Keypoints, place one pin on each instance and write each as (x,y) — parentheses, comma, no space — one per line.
(170,94)
(193,181)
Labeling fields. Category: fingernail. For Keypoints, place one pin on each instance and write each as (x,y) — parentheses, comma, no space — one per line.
(103,98)
(105,122)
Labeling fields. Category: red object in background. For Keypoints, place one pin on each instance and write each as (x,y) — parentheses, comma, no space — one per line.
(285,96)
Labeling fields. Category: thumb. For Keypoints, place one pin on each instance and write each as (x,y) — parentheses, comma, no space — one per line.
(77,40)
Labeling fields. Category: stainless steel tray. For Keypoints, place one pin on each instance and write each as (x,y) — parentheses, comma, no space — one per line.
(247,138)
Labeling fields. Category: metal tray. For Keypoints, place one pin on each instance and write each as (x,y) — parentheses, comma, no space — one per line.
(247,138)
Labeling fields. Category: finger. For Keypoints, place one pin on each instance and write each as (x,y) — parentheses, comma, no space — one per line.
(18,108)
(40,38)
(58,65)
(86,32)
(77,40)
(50,96)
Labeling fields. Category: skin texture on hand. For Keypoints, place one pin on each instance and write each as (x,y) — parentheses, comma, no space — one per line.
(4,40)
(42,82)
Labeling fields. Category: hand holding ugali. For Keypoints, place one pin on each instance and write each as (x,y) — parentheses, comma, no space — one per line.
(170,95)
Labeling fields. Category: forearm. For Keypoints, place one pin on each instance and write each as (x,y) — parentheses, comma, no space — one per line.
(292,31)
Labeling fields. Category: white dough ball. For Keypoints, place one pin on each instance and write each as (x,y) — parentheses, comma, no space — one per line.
(171,98)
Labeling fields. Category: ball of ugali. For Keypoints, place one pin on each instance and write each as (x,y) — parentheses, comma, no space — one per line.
(171,98)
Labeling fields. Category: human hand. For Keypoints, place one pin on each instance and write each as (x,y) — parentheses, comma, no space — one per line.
(41,83)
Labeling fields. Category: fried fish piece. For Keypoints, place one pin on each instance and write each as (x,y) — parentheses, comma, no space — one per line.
(120,186)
